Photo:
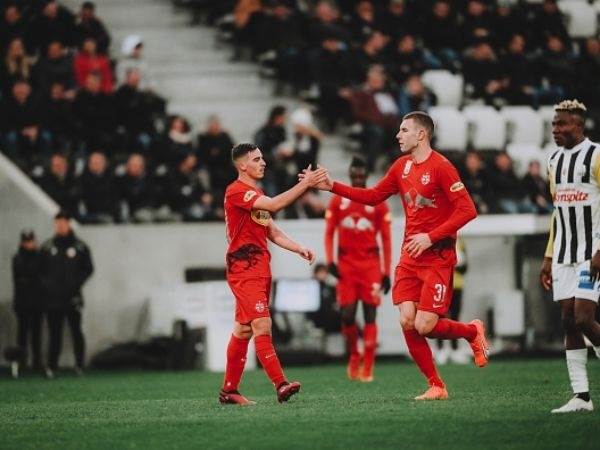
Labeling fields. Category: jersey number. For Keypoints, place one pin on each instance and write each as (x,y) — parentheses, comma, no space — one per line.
(440,293)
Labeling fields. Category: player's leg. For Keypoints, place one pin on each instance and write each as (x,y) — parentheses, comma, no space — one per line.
(237,349)
(261,328)
(370,341)
(456,355)
(350,333)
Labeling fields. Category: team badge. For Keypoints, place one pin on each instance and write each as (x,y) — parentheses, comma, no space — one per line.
(457,187)
(425,178)
(260,307)
(71,252)
(369,208)
(344,203)
(249,195)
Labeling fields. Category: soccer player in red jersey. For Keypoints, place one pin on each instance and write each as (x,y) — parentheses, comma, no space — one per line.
(436,205)
(359,267)
(249,224)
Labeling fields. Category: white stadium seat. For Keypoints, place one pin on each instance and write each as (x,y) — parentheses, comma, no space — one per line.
(547,114)
(523,154)
(582,20)
(524,125)
(450,128)
(446,86)
(487,130)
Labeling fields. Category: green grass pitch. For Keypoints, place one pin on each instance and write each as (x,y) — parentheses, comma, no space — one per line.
(506,405)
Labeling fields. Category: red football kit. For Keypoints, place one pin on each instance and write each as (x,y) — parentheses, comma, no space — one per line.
(435,202)
(248,257)
(358,258)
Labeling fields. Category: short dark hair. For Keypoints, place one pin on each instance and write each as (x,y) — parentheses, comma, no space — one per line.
(358,163)
(62,214)
(241,150)
(423,119)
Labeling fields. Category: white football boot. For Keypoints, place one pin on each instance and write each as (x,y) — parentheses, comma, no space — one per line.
(574,405)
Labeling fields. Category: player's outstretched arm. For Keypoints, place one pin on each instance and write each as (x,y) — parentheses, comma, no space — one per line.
(278,237)
(277,203)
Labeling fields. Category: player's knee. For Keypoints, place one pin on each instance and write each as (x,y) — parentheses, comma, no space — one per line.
(569,323)
(261,326)
(370,313)
(348,316)
(582,321)
(407,323)
(423,328)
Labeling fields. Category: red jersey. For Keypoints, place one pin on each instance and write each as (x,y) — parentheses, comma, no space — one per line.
(247,255)
(357,226)
(435,202)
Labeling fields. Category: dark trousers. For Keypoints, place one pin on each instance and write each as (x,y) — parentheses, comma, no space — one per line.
(56,320)
(29,326)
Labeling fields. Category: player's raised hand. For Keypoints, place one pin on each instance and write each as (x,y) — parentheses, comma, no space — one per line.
(307,253)
(417,244)
(323,180)
(546,273)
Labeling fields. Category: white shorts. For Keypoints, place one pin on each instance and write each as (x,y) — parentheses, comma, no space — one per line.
(573,281)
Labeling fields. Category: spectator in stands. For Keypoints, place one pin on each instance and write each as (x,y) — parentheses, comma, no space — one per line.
(364,20)
(88,25)
(185,190)
(89,61)
(326,17)
(269,138)
(25,142)
(414,96)
(558,68)
(52,23)
(16,64)
(406,59)
(177,142)
(307,138)
(509,195)
(375,109)
(587,71)
(94,111)
(132,50)
(12,24)
(55,66)
(248,16)
(370,53)
(138,191)
(537,189)
(98,190)
(214,152)
(58,183)
(398,19)
(507,22)
(521,72)
(442,36)
(549,21)
(331,70)
(134,113)
(477,24)
(483,73)
(476,181)
(66,264)
(57,117)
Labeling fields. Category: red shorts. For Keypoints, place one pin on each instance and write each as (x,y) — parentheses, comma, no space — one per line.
(363,286)
(251,298)
(429,286)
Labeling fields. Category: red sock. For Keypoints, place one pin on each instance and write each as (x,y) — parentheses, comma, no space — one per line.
(451,329)
(350,332)
(370,340)
(268,359)
(421,353)
(236,360)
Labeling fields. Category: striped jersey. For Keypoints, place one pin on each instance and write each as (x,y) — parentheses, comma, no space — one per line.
(575,186)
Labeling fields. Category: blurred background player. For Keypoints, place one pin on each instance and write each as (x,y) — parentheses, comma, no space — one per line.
(359,267)
(437,205)
(28,304)
(248,224)
(572,260)
(448,349)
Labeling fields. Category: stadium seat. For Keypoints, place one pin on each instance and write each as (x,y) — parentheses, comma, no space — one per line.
(582,20)
(487,130)
(523,154)
(446,86)
(450,128)
(547,114)
(524,125)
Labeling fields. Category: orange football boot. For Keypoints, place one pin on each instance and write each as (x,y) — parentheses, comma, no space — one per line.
(354,366)
(480,345)
(234,398)
(434,393)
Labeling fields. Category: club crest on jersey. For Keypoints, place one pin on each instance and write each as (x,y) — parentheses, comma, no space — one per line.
(407,167)
(369,208)
(260,307)
(261,217)
(344,203)
(249,195)
(425,178)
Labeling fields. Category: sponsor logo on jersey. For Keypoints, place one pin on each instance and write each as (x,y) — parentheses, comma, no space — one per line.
(457,187)
(415,200)
(249,195)
(425,178)
(570,196)
(261,217)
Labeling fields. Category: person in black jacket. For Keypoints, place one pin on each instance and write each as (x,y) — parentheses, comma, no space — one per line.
(27,297)
(66,264)
(99,192)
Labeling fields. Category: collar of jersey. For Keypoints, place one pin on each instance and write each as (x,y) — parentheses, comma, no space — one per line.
(583,144)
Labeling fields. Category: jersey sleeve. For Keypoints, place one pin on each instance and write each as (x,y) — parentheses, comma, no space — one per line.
(450,182)
(243,198)
(385,228)
(385,188)
(331,222)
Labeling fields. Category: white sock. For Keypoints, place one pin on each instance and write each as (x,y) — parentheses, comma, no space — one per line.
(576,362)
(597,350)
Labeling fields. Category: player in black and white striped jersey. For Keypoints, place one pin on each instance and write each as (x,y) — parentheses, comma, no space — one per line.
(571,264)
